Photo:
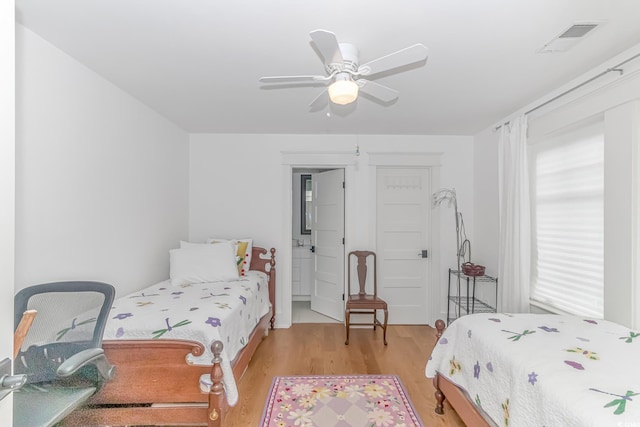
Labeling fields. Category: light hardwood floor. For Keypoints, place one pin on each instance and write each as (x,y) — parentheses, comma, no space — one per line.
(319,349)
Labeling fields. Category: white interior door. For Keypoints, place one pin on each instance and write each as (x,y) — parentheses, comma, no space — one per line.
(327,232)
(402,217)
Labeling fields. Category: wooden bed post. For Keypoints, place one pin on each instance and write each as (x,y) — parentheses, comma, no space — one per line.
(272,285)
(216,393)
(440,326)
(439,396)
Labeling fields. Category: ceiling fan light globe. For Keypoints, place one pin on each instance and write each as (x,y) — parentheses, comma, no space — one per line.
(343,92)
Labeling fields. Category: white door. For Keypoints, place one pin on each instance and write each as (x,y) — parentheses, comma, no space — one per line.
(402,216)
(327,232)
(7,188)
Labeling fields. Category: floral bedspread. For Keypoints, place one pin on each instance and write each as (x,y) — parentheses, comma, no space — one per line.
(203,312)
(543,370)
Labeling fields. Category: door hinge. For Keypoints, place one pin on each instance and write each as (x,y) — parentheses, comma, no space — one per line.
(343,240)
(342,297)
(342,184)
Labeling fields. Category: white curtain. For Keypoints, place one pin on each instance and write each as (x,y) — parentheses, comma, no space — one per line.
(514,263)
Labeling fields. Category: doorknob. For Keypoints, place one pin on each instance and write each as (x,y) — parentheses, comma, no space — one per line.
(313,249)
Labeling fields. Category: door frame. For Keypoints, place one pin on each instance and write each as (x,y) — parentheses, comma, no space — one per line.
(7,189)
(321,160)
(415,160)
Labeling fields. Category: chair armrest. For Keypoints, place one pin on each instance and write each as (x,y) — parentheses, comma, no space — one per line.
(93,356)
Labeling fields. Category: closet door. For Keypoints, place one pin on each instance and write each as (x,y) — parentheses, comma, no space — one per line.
(402,222)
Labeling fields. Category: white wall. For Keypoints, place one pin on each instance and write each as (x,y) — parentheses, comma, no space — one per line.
(236,190)
(622,198)
(7,189)
(485,200)
(101,180)
(485,246)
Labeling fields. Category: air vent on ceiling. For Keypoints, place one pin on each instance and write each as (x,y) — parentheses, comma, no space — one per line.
(577,30)
(569,37)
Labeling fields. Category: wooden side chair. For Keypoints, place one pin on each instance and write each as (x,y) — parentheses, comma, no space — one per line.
(363,303)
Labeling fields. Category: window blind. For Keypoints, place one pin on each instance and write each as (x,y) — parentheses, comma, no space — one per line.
(568,222)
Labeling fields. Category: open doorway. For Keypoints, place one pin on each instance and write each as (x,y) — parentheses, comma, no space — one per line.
(317,261)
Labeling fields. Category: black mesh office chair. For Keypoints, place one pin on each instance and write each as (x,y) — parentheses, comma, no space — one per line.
(61,354)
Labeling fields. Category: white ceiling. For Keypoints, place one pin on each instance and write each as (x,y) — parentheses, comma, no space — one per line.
(197,62)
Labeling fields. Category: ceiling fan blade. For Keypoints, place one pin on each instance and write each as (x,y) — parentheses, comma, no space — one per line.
(319,101)
(383,93)
(417,52)
(327,44)
(294,79)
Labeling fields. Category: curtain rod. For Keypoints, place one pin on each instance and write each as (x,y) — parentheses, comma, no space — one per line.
(566,92)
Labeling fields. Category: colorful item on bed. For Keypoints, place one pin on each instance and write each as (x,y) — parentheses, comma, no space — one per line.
(543,370)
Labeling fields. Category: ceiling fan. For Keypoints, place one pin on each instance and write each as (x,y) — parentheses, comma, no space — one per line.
(345,74)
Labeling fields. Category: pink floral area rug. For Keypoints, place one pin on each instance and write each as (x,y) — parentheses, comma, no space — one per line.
(339,401)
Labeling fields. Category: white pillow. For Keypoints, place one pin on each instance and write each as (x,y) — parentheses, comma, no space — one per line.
(244,253)
(200,263)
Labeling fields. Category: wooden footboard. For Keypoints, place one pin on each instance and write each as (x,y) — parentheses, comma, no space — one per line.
(154,384)
(457,398)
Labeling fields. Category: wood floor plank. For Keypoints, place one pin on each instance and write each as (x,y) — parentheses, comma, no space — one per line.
(318,349)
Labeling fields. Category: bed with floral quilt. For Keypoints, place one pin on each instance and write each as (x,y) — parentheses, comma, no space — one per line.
(179,346)
(538,370)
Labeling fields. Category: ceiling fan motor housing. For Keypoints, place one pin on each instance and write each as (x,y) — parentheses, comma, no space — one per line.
(350,57)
